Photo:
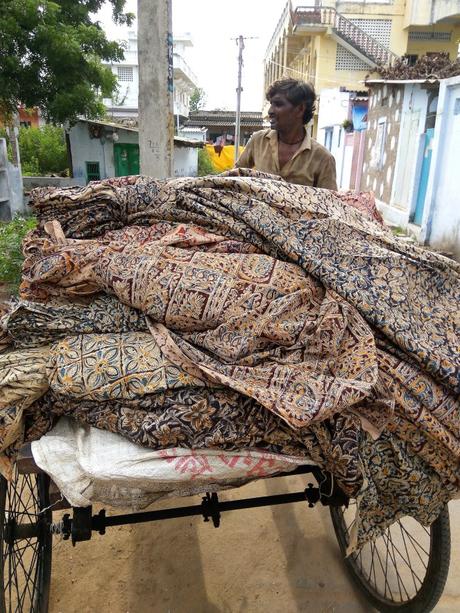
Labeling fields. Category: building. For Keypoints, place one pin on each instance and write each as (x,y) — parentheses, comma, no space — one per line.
(101,149)
(411,157)
(220,125)
(338,44)
(440,202)
(342,129)
(125,103)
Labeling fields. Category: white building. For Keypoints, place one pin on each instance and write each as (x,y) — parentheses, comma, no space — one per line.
(102,149)
(124,104)
(341,129)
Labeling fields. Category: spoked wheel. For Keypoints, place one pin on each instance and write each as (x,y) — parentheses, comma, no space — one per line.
(405,569)
(25,540)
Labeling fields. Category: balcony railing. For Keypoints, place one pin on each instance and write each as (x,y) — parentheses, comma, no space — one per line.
(180,64)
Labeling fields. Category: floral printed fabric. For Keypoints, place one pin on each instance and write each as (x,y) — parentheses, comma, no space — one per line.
(255,313)
(273,332)
(407,293)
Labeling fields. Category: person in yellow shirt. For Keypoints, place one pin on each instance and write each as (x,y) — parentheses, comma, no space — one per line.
(286,148)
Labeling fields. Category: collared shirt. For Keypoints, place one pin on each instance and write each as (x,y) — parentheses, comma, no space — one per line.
(312,164)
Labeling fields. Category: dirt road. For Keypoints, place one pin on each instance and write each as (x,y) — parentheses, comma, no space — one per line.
(272,560)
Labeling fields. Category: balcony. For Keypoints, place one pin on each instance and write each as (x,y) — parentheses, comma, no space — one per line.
(430,12)
(446,11)
(183,72)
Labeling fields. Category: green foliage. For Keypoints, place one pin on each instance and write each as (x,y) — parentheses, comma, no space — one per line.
(43,150)
(205,166)
(11,258)
(51,55)
(197,99)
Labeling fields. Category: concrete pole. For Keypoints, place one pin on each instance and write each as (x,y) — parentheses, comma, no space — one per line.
(239,89)
(156,116)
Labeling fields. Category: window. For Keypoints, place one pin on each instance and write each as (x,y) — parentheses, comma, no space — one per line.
(328,132)
(25,124)
(93,172)
(411,58)
(125,73)
(429,35)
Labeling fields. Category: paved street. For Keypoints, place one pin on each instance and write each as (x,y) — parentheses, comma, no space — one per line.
(276,560)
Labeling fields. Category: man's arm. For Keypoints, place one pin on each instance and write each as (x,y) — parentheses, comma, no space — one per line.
(327,175)
(246,159)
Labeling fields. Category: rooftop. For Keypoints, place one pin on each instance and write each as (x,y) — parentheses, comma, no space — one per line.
(178,141)
(248,119)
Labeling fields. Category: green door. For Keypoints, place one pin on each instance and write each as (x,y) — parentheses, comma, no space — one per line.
(126,157)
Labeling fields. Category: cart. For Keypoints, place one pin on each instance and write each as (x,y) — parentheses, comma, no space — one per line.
(404,570)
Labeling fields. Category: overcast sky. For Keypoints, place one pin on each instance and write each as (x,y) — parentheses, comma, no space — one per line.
(212,24)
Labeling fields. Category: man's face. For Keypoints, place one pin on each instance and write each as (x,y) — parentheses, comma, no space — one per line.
(283,115)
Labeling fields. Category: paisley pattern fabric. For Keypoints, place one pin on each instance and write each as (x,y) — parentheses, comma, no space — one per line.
(32,324)
(22,380)
(113,366)
(274,333)
(240,311)
(407,293)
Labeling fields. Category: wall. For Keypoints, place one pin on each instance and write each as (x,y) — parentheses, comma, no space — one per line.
(385,105)
(11,190)
(185,161)
(32,182)
(334,108)
(410,152)
(441,219)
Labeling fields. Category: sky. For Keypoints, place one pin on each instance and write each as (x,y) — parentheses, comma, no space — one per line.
(212,25)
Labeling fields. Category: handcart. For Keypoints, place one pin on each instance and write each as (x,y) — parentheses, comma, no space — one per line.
(404,570)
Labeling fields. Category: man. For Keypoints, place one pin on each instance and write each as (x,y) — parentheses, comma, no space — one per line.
(287,149)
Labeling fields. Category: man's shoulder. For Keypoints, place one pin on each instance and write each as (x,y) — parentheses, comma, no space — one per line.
(260,134)
(320,150)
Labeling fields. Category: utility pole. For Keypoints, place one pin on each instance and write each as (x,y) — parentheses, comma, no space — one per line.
(239,89)
(156,117)
(240,42)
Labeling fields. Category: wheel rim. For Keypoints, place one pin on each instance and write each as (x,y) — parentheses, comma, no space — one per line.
(22,558)
(394,566)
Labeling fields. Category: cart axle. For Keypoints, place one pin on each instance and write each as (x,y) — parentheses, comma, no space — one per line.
(81,526)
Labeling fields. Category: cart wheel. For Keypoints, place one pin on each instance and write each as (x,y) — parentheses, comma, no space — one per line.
(405,569)
(25,540)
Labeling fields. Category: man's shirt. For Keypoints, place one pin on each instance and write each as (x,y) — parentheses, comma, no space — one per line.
(312,164)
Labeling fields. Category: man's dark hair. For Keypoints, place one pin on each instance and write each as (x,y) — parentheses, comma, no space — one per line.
(297,92)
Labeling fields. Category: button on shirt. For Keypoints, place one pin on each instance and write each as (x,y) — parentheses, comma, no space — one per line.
(312,164)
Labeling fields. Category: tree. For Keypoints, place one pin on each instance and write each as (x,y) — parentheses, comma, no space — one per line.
(51,55)
(43,150)
(197,99)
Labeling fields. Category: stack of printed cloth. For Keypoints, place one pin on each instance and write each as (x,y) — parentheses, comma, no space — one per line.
(220,329)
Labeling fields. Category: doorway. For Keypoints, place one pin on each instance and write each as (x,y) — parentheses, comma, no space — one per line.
(126,158)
